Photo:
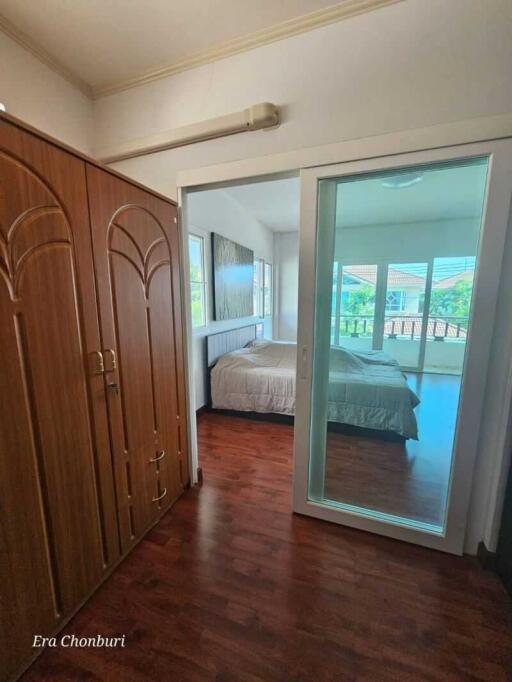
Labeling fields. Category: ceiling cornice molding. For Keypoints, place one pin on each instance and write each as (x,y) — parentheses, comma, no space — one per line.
(43,56)
(285,29)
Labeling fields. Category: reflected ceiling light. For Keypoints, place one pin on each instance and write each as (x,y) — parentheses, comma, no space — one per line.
(402,180)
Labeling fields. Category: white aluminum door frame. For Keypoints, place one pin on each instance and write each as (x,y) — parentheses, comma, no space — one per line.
(487,279)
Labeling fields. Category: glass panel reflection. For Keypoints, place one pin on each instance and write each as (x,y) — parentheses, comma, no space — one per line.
(396,255)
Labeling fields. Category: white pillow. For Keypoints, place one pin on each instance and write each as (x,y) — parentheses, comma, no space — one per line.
(254,343)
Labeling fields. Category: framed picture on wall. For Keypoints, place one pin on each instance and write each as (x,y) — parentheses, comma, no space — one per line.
(233,266)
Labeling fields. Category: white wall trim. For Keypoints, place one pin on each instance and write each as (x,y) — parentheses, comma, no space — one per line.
(280,31)
(395,142)
(45,57)
(285,29)
(186,310)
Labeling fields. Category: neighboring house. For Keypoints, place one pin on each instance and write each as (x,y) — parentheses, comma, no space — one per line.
(405,290)
(449,282)
(404,297)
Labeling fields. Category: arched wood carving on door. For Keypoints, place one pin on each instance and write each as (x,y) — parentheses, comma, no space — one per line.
(141,285)
(47,467)
(26,229)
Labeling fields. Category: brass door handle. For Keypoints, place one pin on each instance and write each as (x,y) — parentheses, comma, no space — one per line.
(160,497)
(99,365)
(160,456)
(114,387)
(113,360)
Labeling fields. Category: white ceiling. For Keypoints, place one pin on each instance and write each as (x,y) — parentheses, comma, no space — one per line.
(442,194)
(108,41)
(275,203)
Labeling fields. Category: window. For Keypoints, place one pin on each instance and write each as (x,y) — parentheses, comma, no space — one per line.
(258,288)
(197,280)
(262,288)
(395,301)
(267,291)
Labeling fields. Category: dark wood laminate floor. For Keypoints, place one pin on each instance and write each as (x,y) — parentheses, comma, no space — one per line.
(408,478)
(231,586)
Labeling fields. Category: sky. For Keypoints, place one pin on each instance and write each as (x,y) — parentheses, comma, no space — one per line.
(443,267)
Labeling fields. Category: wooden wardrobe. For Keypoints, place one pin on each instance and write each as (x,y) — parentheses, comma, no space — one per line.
(93,420)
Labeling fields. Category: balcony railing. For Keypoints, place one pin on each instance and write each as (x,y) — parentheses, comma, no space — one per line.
(355,325)
(403,326)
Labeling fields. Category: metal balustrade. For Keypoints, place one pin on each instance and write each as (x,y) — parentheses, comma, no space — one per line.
(403,326)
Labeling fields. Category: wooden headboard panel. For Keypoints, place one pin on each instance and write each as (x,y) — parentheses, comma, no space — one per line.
(225,342)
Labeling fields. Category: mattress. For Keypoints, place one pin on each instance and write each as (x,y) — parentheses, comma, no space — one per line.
(366,389)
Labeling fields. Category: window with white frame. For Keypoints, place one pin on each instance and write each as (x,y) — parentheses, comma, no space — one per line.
(267,290)
(262,288)
(197,280)
(395,301)
(258,287)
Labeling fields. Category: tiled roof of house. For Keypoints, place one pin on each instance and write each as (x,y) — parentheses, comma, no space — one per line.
(368,273)
(447,282)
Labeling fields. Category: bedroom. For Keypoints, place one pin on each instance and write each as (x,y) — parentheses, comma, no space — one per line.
(400,282)
(256,340)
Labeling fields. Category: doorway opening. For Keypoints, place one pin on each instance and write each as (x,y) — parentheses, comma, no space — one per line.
(243,243)
(395,284)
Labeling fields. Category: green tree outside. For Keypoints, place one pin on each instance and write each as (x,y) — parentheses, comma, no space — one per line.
(359,302)
(452,302)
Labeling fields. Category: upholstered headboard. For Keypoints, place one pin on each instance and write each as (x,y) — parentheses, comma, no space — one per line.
(225,342)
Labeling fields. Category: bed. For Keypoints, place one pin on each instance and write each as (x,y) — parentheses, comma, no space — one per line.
(366,389)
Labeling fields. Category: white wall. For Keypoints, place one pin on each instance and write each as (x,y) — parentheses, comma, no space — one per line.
(412,64)
(36,94)
(216,211)
(286,254)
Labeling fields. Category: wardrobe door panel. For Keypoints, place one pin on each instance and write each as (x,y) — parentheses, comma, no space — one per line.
(51,343)
(58,528)
(135,381)
(180,368)
(28,600)
(137,274)
(161,328)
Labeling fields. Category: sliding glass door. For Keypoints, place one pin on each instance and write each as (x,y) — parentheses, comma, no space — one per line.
(392,350)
